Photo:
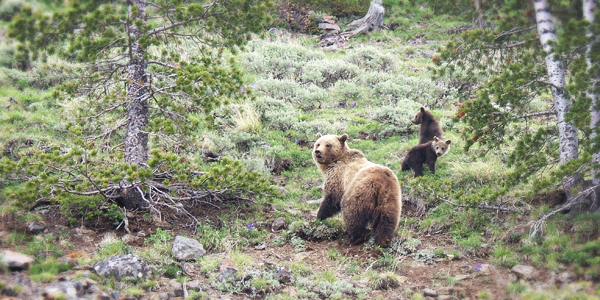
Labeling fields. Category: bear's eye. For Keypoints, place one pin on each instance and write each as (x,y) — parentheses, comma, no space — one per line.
(318,145)
(442,149)
(437,148)
(328,146)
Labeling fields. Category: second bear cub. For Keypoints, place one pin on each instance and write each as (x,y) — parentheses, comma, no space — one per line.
(430,126)
(425,153)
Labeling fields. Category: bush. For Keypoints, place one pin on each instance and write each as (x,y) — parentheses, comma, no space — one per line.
(371,59)
(278,60)
(325,73)
(420,90)
(9,8)
(392,120)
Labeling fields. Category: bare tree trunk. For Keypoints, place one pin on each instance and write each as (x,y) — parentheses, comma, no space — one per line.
(371,21)
(567,132)
(478,8)
(136,139)
(589,8)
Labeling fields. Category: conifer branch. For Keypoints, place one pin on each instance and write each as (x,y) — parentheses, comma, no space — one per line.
(480,206)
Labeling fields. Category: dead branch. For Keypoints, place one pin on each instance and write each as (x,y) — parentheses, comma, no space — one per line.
(480,206)
(536,228)
(371,21)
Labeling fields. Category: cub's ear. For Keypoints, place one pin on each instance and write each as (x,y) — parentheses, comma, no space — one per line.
(343,138)
(435,138)
(319,135)
(422,109)
(448,142)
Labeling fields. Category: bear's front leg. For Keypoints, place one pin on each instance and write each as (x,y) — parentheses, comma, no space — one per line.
(418,170)
(432,166)
(329,207)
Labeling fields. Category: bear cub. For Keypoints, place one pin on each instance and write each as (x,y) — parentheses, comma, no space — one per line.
(363,191)
(425,153)
(430,126)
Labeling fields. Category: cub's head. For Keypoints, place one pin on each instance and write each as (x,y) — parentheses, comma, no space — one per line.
(440,147)
(419,117)
(328,148)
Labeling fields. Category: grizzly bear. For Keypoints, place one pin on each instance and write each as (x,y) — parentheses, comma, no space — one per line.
(363,191)
(425,153)
(430,126)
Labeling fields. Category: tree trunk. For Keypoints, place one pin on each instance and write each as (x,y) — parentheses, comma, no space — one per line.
(567,132)
(371,21)
(589,8)
(136,139)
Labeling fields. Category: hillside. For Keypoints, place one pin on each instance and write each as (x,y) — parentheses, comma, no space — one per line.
(265,242)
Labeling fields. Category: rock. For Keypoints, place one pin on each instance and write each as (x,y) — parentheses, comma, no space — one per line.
(227,269)
(262,246)
(278,224)
(194,285)
(429,292)
(484,269)
(123,266)
(227,274)
(445,297)
(462,277)
(16,260)
(564,278)
(227,263)
(187,249)
(63,290)
(524,272)
(263,144)
(101,296)
(329,26)
(130,239)
(282,191)
(68,260)
(329,19)
(45,253)
(141,234)
(283,274)
(36,227)
(363,283)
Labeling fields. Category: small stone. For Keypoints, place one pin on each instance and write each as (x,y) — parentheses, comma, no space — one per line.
(130,239)
(187,249)
(278,224)
(462,277)
(227,263)
(283,274)
(36,227)
(329,26)
(227,274)
(429,292)
(262,246)
(194,285)
(300,256)
(141,234)
(45,253)
(564,277)
(524,272)
(282,191)
(263,144)
(68,260)
(101,296)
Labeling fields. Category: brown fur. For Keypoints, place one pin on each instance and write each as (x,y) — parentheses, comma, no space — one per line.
(363,191)
(425,153)
(430,126)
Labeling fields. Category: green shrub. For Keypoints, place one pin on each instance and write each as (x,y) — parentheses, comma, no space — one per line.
(325,73)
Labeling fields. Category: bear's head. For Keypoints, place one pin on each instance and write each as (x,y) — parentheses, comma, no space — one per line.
(440,147)
(419,117)
(328,148)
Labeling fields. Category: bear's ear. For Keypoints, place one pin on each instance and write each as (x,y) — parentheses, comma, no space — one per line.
(448,142)
(319,135)
(343,138)
(422,109)
(435,138)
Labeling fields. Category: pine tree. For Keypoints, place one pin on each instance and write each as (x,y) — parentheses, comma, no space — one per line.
(137,86)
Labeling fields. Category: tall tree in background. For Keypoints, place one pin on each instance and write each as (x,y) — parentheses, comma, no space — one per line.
(567,133)
(146,67)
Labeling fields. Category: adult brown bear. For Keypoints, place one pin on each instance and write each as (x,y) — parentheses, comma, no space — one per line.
(363,191)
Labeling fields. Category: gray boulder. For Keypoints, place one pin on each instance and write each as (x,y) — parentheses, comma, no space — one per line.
(16,260)
(63,290)
(187,249)
(123,266)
